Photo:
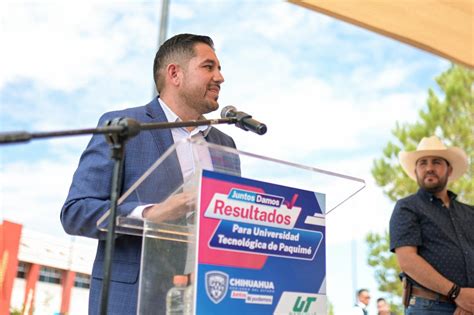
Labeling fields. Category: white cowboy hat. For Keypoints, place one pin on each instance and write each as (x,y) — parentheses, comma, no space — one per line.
(432,146)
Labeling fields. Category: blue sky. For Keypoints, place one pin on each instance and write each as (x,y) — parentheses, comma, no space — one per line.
(329,92)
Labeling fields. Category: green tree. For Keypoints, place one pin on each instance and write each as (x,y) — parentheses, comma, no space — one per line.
(449,114)
(330,308)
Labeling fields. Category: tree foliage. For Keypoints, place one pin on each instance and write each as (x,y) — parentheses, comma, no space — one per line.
(330,308)
(449,114)
(386,268)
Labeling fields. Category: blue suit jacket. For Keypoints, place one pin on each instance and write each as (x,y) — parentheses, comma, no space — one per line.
(89,195)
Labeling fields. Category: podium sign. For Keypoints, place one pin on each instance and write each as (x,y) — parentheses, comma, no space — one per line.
(261,248)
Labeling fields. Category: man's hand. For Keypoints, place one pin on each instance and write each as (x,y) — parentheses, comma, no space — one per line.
(465,300)
(173,208)
(460,311)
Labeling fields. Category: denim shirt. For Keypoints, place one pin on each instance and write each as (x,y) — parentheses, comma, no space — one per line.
(444,236)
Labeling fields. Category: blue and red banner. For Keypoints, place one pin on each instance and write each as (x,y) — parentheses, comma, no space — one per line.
(261,248)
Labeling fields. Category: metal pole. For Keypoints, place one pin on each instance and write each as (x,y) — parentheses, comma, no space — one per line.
(163,22)
(162,31)
(354,270)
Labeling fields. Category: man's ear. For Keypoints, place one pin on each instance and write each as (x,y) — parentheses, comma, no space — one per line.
(174,74)
(450,170)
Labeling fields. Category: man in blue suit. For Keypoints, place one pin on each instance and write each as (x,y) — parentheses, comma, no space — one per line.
(188,79)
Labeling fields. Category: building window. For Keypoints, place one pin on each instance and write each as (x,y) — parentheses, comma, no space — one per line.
(23,268)
(50,275)
(82,281)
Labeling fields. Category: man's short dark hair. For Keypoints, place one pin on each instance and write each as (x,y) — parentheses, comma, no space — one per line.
(381,299)
(174,48)
(359,292)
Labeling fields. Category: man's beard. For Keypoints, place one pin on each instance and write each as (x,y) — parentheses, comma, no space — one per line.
(433,187)
(196,100)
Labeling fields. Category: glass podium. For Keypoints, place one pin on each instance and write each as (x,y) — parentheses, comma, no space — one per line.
(173,242)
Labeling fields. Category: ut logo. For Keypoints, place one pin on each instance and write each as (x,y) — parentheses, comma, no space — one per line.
(303,306)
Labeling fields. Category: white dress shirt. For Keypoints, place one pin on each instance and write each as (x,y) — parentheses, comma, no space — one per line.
(187,153)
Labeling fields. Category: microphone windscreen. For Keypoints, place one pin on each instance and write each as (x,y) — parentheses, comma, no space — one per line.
(228,111)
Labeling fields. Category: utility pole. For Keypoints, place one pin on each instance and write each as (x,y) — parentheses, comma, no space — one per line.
(163,21)
(163,29)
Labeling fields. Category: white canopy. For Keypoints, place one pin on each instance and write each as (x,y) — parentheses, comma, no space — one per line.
(442,27)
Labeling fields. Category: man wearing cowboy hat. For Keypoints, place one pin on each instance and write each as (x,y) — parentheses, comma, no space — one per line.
(432,233)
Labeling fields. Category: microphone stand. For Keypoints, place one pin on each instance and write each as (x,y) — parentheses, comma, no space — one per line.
(117,132)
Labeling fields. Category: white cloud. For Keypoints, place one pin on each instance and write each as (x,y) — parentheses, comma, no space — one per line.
(65,45)
(180,11)
(310,115)
(33,194)
(275,23)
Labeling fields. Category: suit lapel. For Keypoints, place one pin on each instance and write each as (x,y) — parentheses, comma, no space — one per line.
(162,137)
(164,140)
(228,163)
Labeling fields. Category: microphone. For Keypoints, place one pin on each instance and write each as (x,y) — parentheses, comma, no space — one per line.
(244,120)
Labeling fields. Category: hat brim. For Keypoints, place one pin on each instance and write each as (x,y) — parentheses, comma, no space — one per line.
(455,156)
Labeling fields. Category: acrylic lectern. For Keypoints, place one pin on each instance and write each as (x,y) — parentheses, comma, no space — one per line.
(247,230)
